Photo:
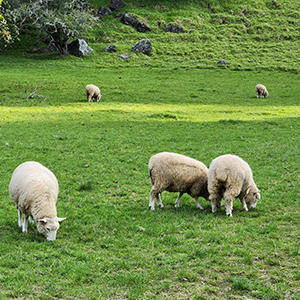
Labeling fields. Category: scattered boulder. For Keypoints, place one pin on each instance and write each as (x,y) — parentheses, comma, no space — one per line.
(124,56)
(116,4)
(143,46)
(223,62)
(103,11)
(79,48)
(131,20)
(110,48)
(174,28)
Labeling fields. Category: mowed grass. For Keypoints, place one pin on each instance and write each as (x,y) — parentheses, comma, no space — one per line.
(111,245)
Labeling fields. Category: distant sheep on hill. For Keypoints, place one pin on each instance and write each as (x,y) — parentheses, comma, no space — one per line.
(92,91)
(261,91)
(174,172)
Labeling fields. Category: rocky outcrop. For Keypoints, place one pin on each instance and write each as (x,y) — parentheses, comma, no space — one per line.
(110,48)
(79,48)
(131,20)
(103,11)
(143,46)
(223,62)
(124,56)
(174,28)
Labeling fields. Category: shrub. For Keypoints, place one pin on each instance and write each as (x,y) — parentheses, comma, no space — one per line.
(55,21)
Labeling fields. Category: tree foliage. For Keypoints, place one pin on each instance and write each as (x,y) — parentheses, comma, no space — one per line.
(6,36)
(55,21)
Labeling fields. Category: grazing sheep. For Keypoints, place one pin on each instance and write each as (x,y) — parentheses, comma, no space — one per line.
(261,90)
(230,177)
(34,188)
(92,91)
(174,172)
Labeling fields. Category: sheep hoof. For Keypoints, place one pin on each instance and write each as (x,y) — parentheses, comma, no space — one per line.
(151,208)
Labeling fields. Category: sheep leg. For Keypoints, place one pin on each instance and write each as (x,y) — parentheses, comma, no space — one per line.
(219,202)
(228,203)
(198,204)
(25,224)
(98,98)
(214,200)
(89,97)
(20,221)
(244,204)
(153,195)
(178,200)
(159,202)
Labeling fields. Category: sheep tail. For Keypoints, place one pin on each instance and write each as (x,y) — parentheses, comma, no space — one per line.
(151,177)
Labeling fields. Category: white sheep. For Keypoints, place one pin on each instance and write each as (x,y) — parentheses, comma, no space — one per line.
(230,177)
(261,91)
(174,172)
(92,91)
(34,188)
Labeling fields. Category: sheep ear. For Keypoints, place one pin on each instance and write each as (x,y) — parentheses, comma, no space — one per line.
(44,221)
(257,194)
(248,190)
(60,219)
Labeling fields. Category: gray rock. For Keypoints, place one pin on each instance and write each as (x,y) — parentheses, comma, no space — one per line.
(124,56)
(143,46)
(103,11)
(129,19)
(110,48)
(79,48)
(174,28)
(223,62)
(116,4)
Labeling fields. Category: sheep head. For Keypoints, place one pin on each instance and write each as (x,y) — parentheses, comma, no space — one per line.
(48,227)
(252,196)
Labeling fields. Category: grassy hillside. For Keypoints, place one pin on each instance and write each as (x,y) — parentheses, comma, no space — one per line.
(251,34)
(177,99)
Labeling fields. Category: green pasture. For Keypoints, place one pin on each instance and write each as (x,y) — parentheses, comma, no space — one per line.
(177,99)
(111,245)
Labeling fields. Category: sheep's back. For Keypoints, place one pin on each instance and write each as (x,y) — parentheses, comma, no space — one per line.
(229,168)
(177,168)
(29,181)
(92,89)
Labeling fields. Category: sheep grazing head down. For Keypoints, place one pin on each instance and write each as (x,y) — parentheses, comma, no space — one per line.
(252,196)
(48,227)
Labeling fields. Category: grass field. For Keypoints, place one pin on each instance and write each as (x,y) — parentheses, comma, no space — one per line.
(111,246)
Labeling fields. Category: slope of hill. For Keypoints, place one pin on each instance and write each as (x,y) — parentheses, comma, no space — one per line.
(250,34)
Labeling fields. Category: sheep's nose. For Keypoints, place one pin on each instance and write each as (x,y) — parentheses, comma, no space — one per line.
(51,236)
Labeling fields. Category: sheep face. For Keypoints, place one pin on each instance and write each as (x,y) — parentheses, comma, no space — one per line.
(48,227)
(252,196)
